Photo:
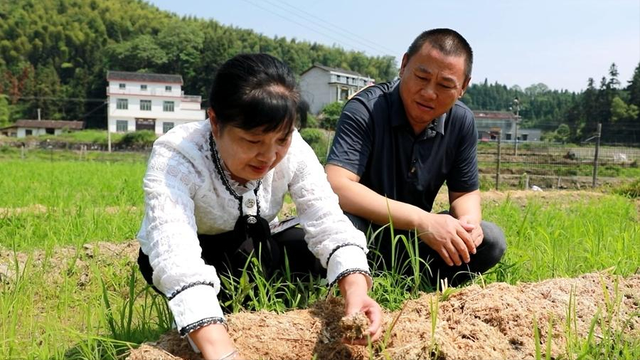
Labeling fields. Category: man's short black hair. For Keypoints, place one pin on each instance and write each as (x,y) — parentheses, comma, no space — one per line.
(447,41)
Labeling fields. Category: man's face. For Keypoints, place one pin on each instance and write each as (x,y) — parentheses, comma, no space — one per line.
(430,83)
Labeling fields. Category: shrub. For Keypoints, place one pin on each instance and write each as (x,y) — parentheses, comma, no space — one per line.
(318,140)
(138,139)
(312,121)
(330,115)
(631,190)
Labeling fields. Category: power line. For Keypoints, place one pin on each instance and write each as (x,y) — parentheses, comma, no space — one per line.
(332,26)
(301,24)
(57,99)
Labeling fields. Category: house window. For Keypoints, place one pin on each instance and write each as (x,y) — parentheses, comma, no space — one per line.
(145,105)
(166,126)
(338,78)
(122,104)
(508,136)
(167,106)
(50,131)
(143,87)
(122,86)
(122,126)
(28,132)
(167,88)
(344,94)
(525,137)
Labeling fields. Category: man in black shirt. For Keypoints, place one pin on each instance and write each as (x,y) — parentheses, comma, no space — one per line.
(395,146)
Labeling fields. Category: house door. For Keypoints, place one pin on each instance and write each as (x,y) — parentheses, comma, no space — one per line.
(145,124)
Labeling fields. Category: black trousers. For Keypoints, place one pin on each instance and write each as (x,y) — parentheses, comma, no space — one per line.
(229,255)
(487,255)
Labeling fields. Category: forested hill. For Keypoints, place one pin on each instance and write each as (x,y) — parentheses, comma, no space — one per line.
(54,54)
(568,116)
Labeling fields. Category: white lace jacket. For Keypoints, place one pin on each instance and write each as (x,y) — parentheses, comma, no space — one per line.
(184,196)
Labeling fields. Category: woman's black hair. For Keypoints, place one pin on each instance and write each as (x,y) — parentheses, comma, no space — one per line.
(252,91)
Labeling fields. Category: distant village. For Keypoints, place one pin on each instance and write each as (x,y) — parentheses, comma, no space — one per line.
(156,102)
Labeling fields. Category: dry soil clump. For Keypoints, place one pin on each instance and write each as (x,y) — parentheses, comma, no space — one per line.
(491,322)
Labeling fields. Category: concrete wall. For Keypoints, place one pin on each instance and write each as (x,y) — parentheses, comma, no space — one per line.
(315,89)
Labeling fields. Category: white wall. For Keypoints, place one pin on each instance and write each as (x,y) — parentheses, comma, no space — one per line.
(186,108)
(320,87)
(315,89)
(153,89)
(22,132)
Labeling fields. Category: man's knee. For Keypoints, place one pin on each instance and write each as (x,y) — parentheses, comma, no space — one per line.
(494,244)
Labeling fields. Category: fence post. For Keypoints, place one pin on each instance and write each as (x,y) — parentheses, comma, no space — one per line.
(22,152)
(595,157)
(498,162)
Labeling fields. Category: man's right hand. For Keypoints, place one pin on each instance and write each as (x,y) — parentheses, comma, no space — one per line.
(449,237)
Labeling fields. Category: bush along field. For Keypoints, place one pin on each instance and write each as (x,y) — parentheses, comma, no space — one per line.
(567,288)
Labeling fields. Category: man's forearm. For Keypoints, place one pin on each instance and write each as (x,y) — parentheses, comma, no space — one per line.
(359,200)
(466,205)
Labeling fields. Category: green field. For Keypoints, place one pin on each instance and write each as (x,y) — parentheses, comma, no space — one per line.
(63,295)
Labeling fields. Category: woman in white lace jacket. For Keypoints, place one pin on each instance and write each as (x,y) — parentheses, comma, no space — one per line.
(213,188)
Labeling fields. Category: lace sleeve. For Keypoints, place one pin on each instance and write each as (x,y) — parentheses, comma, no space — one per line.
(170,240)
(331,236)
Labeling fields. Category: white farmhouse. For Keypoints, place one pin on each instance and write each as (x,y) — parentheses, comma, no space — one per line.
(321,85)
(24,128)
(141,101)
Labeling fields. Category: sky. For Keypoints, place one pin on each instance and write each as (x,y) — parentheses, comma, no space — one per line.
(560,43)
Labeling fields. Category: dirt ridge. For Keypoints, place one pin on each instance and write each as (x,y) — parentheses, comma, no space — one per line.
(475,322)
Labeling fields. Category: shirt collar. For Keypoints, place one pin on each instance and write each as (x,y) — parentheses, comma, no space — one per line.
(399,115)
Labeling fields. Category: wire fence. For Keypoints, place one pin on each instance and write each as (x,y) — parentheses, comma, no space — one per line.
(533,164)
(541,165)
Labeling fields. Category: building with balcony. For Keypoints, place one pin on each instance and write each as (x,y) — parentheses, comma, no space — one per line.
(321,85)
(156,102)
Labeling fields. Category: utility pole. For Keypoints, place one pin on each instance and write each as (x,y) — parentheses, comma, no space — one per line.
(498,160)
(108,129)
(516,107)
(595,157)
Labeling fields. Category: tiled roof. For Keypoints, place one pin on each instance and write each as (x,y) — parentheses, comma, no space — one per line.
(502,115)
(143,77)
(330,69)
(55,124)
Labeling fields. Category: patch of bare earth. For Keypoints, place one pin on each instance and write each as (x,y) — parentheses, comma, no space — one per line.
(492,322)
(61,260)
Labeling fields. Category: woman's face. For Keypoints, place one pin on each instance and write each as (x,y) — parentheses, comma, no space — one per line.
(249,154)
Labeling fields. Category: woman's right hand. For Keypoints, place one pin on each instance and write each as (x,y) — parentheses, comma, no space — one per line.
(213,341)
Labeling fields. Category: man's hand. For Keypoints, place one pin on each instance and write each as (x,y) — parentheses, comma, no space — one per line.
(354,290)
(450,237)
(477,235)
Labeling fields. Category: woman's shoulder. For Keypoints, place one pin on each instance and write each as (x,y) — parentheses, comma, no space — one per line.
(190,140)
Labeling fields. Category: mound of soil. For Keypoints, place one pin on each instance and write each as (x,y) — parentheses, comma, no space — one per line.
(492,322)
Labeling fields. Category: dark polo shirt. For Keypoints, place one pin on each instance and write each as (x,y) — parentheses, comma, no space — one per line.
(375,141)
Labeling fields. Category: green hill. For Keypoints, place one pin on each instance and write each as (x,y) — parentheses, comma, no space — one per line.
(54,53)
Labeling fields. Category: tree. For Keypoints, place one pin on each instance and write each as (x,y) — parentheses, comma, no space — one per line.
(634,88)
(140,54)
(4,111)
(621,112)
(562,133)
(330,115)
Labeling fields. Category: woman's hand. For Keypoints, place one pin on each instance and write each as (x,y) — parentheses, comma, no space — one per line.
(213,341)
(354,289)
